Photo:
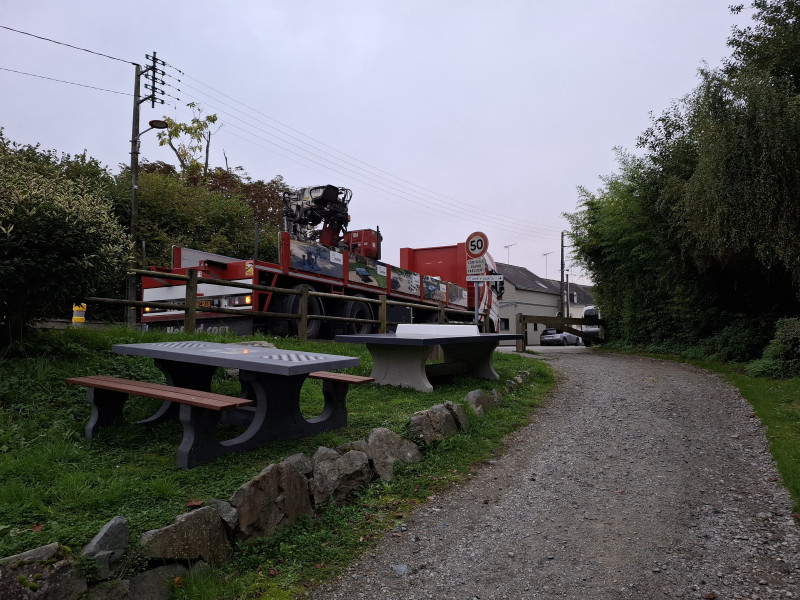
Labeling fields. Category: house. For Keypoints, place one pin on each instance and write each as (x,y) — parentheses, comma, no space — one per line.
(530,294)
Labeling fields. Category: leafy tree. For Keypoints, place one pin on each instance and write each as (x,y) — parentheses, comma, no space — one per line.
(192,154)
(59,240)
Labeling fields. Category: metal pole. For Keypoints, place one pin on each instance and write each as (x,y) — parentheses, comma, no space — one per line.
(130,316)
(561,287)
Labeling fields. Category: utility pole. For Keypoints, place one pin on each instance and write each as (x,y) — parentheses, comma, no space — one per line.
(153,71)
(561,287)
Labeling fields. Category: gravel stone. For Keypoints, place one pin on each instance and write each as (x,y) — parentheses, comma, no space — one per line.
(636,478)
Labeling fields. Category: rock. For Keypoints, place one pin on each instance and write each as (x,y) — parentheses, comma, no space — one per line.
(459,414)
(226,512)
(107,547)
(336,476)
(385,447)
(433,425)
(110,590)
(298,462)
(194,535)
(480,399)
(155,583)
(276,497)
(44,573)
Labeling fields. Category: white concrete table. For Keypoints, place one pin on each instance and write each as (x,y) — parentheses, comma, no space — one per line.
(400,358)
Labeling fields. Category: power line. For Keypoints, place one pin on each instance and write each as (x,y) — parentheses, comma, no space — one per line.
(67,45)
(67,82)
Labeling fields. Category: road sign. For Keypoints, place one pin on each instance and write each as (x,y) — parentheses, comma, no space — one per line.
(476,266)
(484,278)
(477,244)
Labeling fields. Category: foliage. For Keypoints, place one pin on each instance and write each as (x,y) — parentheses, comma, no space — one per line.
(193,153)
(782,355)
(59,240)
(697,242)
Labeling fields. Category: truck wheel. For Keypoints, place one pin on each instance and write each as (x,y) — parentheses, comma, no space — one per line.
(358,310)
(289,303)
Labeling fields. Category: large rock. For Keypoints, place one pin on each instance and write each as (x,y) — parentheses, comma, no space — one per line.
(107,547)
(337,475)
(385,447)
(199,534)
(480,400)
(459,414)
(276,497)
(433,425)
(45,573)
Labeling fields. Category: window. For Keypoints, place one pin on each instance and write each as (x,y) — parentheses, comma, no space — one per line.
(503,324)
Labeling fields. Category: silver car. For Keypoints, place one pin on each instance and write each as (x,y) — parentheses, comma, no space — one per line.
(554,337)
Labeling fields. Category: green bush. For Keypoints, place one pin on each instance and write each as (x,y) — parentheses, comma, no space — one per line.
(59,242)
(781,357)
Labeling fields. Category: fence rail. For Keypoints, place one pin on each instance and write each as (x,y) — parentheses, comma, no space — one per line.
(562,323)
(189,307)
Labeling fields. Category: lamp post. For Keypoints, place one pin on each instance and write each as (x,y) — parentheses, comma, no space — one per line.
(545,263)
(134,228)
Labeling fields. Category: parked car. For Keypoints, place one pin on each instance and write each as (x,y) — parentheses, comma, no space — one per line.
(554,337)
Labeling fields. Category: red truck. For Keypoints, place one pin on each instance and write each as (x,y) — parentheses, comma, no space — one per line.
(331,260)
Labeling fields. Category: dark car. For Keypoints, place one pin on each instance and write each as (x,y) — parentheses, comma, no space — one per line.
(554,337)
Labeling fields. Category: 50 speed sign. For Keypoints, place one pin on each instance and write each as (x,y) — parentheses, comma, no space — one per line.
(477,244)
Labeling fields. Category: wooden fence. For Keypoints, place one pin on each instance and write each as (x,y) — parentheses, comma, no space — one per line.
(302,316)
(561,323)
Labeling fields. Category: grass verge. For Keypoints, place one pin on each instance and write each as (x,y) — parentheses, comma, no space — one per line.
(57,486)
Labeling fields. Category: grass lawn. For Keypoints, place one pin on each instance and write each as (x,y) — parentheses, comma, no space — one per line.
(56,486)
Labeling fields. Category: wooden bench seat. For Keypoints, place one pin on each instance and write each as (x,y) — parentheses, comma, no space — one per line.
(340,377)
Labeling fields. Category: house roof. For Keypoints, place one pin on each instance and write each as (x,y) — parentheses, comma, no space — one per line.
(522,279)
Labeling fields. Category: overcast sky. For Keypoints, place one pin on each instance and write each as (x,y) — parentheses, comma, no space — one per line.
(444,117)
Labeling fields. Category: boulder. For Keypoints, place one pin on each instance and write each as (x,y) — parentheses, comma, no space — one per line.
(44,573)
(385,447)
(459,414)
(276,497)
(107,547)
(483,400)
(199,534)
(337,475)
(298,462)
(433,425)
(155,583)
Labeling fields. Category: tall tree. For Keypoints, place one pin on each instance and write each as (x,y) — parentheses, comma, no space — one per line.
(191,142)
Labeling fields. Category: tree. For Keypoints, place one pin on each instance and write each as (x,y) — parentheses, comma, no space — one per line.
(59,239)
(193,154)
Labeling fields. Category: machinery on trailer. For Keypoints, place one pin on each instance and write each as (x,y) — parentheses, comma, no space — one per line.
(317,250)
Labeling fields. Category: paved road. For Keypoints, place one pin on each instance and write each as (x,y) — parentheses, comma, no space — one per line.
(636,479)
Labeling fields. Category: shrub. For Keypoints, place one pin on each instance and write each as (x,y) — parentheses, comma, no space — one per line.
(781,357)
(59,241)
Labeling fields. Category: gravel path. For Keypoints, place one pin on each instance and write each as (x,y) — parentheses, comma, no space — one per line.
(636,479)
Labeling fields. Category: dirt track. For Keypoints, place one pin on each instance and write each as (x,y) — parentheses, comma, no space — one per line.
(636,479)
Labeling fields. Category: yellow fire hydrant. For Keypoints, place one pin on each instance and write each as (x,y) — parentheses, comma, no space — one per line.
(78,315)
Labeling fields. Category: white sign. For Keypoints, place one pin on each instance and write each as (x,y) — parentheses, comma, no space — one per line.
(484,278)
(476,266)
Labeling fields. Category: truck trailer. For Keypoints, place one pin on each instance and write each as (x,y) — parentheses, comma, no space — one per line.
(331,260)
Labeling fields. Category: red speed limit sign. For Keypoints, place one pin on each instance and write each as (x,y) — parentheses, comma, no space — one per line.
(477,244)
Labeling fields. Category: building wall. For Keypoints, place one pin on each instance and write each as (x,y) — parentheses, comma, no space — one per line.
(529,302)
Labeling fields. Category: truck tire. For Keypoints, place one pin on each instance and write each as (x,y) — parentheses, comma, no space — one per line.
(358,310)
(290,303)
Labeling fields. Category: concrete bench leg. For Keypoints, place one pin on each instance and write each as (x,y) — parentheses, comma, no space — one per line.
(106,409)
(334,413)
(199,443)
(403,366)
(477,356)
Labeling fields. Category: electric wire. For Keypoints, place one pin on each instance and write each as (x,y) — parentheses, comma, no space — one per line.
(67,45)
(63,81)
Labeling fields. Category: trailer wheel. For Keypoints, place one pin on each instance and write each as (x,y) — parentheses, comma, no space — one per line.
(289,303)
(358,310)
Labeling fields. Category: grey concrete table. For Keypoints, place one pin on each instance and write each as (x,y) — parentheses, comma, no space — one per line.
(271,377)
(400,358)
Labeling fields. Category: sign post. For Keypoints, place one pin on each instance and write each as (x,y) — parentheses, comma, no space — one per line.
(476,246)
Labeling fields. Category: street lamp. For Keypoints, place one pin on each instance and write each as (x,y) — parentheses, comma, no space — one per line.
(134,230)
(545,263)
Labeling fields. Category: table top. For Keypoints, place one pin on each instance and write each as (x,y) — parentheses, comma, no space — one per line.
(425,339)
(239,356)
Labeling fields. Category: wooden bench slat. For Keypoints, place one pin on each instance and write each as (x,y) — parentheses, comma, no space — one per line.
(162,392)
(341,377)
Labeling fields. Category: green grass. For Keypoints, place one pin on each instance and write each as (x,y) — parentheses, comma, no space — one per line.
(56,486)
